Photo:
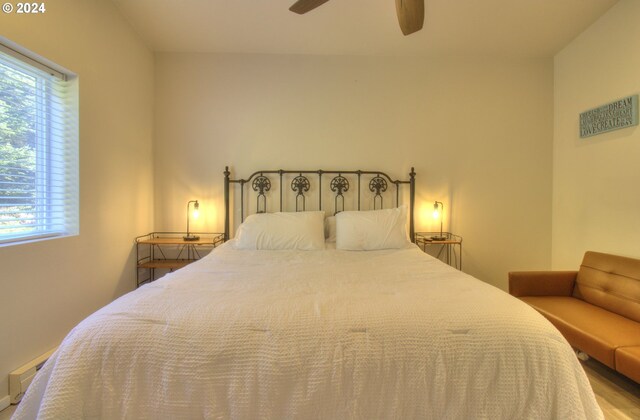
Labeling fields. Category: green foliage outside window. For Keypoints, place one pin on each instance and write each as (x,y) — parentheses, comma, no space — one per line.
(18,116)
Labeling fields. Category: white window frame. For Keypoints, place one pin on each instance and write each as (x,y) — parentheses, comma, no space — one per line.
(55,212)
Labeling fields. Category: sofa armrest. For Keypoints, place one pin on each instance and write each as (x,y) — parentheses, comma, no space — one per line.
(542,283)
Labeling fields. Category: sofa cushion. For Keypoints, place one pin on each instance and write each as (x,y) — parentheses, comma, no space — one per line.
(628,362)
(611,282)
(594,330)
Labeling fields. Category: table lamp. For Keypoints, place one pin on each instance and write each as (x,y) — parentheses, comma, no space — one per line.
(196,207)
(438,210)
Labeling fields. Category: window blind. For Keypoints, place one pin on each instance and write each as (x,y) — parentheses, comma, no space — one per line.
(38,151)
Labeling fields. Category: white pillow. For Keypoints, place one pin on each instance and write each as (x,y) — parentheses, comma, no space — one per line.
(369,230)
(300,230)
(330,229)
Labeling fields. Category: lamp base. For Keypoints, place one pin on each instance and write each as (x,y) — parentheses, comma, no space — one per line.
(190,238)
(438,238)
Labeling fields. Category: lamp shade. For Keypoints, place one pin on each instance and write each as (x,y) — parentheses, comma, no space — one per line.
(196,210)
(436,210)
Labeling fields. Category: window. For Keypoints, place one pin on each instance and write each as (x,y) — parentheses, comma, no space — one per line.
(38,149)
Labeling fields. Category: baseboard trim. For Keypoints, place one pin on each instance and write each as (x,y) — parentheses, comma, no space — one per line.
(4,402)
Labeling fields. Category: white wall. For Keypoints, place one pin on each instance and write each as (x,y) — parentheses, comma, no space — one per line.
(596,204)
(48,287)
(478,131)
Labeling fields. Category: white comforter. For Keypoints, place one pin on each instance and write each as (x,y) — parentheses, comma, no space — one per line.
(316,334)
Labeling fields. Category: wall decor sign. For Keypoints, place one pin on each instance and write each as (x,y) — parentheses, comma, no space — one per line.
(612,116)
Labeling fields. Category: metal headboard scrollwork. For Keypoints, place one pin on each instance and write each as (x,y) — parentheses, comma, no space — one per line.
(301,184)
(340,185)
(261,184)
(378,185)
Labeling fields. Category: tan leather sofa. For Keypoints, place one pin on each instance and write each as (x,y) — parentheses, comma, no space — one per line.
(597,308)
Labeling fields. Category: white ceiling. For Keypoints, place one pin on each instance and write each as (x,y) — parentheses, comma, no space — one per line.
(527,28)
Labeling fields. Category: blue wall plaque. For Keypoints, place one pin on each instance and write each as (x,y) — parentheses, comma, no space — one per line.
(618,114)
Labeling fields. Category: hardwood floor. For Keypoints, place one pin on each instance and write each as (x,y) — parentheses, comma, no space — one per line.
(618,396)
(7,412)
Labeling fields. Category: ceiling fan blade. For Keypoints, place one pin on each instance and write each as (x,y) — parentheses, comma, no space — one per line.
(303,6)
(410,15)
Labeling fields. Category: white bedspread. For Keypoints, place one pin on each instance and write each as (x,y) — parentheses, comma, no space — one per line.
(316,334)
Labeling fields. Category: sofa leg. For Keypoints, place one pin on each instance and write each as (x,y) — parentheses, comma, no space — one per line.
(582,355)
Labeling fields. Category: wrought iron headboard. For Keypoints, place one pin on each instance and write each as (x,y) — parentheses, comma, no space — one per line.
(339,185)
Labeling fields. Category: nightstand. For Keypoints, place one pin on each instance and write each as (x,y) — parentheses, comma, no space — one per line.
(447,250)
(168,251)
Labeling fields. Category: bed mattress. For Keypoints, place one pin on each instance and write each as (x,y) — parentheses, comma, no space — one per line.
(313,334)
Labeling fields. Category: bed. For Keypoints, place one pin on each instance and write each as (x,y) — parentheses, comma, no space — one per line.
(261,328)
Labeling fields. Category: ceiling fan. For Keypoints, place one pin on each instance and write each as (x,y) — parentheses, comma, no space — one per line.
(410,12)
